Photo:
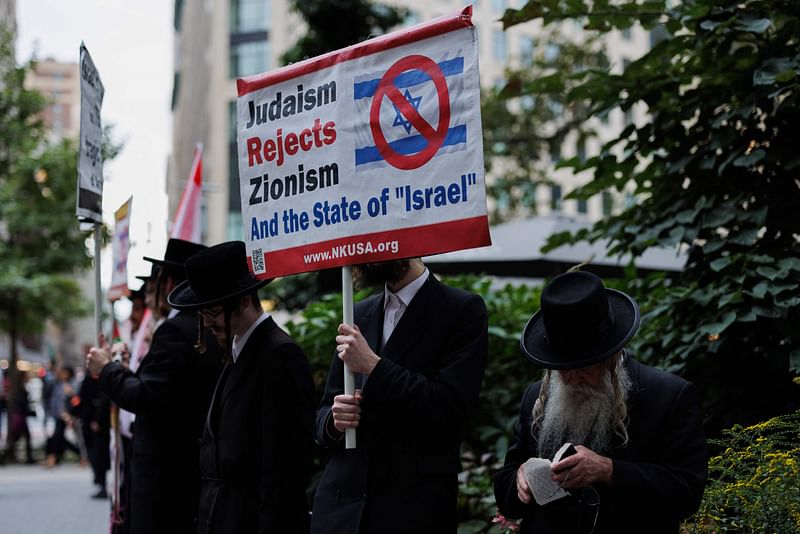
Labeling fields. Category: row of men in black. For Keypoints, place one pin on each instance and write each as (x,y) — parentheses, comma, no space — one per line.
(419,350)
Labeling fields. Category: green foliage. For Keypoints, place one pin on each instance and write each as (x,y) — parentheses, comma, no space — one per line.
(526,120)
(41,247)
(754,480)
(315,330)
(507,372)
(326,30)
(716,172)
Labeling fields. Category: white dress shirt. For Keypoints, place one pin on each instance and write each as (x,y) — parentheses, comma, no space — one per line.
(240,341)
(395,304)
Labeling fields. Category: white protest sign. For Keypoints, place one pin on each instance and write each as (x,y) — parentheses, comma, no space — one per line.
(119,245)
(90,158)
(370,153)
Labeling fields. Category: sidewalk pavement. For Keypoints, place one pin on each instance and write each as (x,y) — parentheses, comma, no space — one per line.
(36,500)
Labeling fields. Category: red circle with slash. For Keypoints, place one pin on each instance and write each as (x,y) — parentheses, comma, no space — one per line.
(434,137)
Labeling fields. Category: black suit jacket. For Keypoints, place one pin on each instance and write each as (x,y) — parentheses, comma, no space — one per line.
(403,475)
(169,394)
(658,477)
(256,453)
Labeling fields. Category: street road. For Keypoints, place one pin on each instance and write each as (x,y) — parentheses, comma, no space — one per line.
(36,500)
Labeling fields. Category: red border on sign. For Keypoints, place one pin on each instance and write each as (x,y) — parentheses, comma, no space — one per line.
(434,28)
(386,87)
(412,242)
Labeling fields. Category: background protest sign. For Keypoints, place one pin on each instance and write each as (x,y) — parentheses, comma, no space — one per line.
(370,153)
(90,157)
(119,247)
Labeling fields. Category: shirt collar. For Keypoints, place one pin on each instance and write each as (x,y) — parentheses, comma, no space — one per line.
(408,292)
(240,341)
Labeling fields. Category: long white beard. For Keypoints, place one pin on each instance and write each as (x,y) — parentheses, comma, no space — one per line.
(579,414)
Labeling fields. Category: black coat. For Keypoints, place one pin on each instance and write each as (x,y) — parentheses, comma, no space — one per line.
(258,442)
(658,478)
(170,394)
(402,478)
(94,407)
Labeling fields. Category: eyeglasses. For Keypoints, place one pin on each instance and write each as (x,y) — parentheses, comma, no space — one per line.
(212,313)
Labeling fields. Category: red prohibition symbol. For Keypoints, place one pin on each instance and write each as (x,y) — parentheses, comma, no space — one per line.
(434,137)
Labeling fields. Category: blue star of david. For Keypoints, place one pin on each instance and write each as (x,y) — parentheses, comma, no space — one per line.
(399,119)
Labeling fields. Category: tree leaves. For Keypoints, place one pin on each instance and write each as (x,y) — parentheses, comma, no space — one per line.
(715,171)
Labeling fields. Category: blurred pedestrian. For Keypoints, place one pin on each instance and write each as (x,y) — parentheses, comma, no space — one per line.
(59,407)
(169,393)
(19,410)
(93,411)
(2,399)
(257,445)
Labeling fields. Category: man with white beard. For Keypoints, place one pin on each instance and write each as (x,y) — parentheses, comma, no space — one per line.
(640,461)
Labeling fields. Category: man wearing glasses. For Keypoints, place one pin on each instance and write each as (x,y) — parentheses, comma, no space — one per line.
(639,462)
(169,393)
(257,445)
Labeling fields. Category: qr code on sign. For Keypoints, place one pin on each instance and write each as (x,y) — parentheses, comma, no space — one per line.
(258,261)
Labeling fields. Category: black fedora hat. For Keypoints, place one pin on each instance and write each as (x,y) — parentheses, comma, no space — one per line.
(178,251)
(215,275)
(580,323)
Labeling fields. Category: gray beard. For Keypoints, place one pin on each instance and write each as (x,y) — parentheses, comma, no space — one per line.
(578,414)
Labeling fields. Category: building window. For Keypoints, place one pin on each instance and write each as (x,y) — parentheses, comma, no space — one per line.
(176,87)
(178,14)
(551,53)
(555,152)
(627,34)
(527,45)
(249,16)
(235,230)
(630,199)
(580,150)
(629,116)
(527,102)
(555,197)
(248,58)
(583,207)
(608,203)
(499,45)
(232,122)
(658,34)
(412,18)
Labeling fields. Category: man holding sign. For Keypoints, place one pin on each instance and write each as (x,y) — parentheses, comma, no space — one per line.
(419,349)
(367,156)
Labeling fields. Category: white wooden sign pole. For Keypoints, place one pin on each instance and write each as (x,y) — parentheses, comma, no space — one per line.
(347,318)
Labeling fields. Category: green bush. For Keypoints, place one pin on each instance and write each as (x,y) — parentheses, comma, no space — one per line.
(754,481)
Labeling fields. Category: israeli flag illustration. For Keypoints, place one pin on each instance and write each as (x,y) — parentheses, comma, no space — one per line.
(404,134)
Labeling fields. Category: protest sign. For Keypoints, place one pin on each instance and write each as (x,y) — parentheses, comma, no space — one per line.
(119,247)
(370,153)
(90,157)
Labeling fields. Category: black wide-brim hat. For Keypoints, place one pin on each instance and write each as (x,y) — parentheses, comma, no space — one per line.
(178,251)
(214,276)
(580,323)
(154,268)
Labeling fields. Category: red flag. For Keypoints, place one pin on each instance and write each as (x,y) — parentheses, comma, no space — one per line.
(187,220)
(186,226)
